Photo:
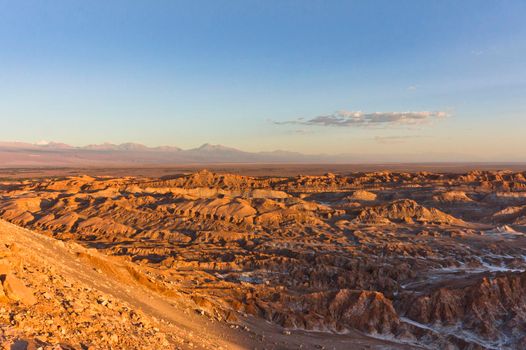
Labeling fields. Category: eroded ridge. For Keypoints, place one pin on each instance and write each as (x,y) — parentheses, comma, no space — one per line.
(410,259)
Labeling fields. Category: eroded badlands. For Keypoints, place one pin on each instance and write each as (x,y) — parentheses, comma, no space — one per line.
(370,260)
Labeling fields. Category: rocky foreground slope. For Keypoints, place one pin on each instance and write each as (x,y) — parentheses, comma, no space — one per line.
(56,295)
(408,260)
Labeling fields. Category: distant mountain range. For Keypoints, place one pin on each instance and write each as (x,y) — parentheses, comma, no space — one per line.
(20,154)
(13,154)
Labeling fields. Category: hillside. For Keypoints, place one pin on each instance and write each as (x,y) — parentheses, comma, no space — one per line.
(59,293)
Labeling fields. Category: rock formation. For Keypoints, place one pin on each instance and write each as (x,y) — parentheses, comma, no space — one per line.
(408,259)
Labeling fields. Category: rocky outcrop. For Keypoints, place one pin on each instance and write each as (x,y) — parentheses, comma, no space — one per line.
(492,308)
(362,195)
(452,196)
(367,311)
(339,310)
(406,211)
(511,215)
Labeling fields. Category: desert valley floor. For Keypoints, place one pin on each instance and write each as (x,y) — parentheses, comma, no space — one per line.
(215,260)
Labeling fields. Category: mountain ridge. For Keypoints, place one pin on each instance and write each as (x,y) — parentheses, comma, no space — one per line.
(60,154)
(20,154)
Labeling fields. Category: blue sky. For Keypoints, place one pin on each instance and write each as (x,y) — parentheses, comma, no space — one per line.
(257,74)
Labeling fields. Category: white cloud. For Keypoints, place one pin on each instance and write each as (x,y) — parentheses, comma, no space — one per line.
(43,143)
(375,119)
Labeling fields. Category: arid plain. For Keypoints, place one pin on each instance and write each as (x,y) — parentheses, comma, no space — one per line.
(211,259)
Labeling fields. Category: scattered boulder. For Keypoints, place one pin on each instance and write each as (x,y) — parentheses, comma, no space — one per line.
(15,290)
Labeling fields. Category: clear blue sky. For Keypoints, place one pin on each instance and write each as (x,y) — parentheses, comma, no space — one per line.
(264,75)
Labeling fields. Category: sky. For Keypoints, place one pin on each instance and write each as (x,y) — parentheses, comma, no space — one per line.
(443,78)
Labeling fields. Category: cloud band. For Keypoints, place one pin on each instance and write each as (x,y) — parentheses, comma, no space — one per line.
(361,119)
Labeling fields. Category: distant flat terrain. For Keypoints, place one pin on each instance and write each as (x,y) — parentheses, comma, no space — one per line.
(222,158)
(252,169)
